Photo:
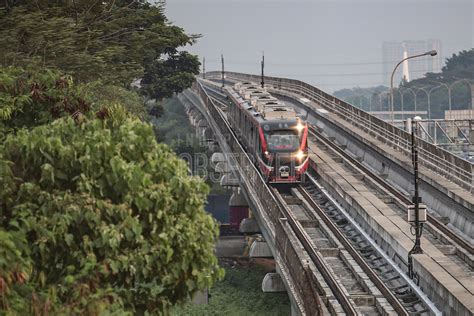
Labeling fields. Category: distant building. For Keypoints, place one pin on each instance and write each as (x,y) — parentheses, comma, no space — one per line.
(392,53)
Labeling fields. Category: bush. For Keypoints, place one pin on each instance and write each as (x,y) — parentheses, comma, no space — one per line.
(99,216)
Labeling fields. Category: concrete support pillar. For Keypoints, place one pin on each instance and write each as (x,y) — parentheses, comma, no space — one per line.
(294,310)
(249,226)
(217,157)
(260,249)
(238,208)
(272,283)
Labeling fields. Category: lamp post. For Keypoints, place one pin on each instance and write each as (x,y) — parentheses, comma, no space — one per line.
(431,53)
(418,208)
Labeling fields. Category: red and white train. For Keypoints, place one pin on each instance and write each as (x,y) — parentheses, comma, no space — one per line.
(271,131)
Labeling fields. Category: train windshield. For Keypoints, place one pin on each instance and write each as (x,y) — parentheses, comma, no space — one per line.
(283,140)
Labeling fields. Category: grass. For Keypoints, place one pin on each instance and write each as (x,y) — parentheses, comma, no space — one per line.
(240,293)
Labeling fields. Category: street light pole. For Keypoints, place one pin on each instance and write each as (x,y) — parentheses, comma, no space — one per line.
(262,78)
(222,72)
(416,198)
(431,53)
(204,67)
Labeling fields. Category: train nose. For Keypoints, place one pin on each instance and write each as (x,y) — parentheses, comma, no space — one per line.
(284,172)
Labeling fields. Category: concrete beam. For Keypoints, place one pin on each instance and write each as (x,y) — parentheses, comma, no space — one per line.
(249,226)
(260,249)
(272,283)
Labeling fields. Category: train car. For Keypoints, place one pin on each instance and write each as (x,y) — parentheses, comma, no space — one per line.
(271,132)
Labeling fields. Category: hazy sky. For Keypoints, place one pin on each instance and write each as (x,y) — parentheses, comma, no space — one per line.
(319,41)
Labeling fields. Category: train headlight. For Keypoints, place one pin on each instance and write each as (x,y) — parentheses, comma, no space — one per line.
(299,127)
(300,155)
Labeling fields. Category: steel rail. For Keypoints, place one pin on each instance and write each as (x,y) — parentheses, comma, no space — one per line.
(459,240)
(317,259)
(391,298)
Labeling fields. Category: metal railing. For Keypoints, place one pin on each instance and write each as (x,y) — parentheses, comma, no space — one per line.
(439,160)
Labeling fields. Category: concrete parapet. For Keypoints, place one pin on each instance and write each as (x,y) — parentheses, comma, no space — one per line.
(272,283)
(260,249)
(446,292)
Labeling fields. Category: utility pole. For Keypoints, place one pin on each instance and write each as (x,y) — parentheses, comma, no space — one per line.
(204,67)
(262,81)
(222,60)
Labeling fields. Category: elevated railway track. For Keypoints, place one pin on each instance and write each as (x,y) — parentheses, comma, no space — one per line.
(374,281)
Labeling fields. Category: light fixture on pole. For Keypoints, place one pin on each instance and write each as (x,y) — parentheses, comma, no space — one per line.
(417,211)
(430,53)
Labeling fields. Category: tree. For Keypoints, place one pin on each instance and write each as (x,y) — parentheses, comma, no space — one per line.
(164,77)
(460,66)
(107,40)
(109,217)
(31,97)
(95,215)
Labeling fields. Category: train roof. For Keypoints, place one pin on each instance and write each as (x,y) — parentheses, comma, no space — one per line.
(266,107)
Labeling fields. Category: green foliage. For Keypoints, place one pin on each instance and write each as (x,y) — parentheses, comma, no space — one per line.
(101,95)
(239,294)
(29,98)
(164,77)
(110,218)
(460,65)
(96,218)
(107,40)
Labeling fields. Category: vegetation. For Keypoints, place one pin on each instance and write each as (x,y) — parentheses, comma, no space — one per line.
(164,77)
(108,40)
(32,97)
(457,75)
(107,216)
(239,294)
(96,217)
(175,130)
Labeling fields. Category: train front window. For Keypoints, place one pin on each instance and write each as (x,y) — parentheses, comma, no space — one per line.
(283,141)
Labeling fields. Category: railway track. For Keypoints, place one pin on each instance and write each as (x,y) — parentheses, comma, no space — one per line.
(434,226)
(334,241)
(363,279)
